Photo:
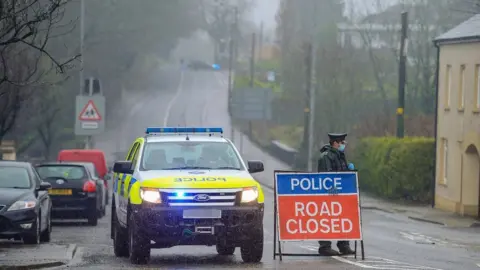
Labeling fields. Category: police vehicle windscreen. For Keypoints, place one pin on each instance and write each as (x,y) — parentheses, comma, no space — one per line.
(190,155)
(67,172)
(14,177)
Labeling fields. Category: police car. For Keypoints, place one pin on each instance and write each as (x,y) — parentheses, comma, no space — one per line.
(186,186)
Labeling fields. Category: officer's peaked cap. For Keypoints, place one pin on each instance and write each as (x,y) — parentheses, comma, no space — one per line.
(337,136)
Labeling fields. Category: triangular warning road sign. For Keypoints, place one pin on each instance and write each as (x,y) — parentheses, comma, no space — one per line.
(90,113)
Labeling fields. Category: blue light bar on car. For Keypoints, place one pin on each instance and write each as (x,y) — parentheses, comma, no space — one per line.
(164,130)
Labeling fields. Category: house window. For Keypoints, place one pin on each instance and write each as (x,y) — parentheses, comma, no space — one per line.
(461,88)
(448,85)
(477,86)
(444,161)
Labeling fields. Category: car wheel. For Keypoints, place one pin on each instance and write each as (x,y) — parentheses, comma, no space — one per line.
(139,245)
(45,235)
(224,248)
(93,218)
(120,240)
(33,238)
(252,249)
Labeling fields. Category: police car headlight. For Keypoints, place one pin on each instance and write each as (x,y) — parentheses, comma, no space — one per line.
(150,195)
(249,194)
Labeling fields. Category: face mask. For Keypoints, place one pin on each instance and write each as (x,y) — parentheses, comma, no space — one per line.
(341,148)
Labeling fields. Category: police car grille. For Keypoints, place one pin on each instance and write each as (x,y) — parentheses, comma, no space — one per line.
(206,197)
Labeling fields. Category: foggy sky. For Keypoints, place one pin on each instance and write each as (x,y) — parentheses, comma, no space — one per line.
(265,10)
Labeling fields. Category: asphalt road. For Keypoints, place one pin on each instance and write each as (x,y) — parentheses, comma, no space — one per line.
(392,241)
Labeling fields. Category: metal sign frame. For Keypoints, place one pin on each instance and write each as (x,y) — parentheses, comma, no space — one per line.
(277,247)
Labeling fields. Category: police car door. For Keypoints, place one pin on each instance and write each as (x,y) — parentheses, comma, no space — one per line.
(122,191)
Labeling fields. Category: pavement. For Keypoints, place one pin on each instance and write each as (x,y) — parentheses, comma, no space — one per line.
(13,255)
(392,239)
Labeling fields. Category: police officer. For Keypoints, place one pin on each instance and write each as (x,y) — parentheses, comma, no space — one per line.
(332,158)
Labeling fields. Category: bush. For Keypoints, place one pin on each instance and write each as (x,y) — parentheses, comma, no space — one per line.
(396,168)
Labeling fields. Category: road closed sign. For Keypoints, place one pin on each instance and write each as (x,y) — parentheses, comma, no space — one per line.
(318,206)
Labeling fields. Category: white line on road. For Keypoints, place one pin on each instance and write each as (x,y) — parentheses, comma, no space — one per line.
(478,264)
(172,101)
(372,262)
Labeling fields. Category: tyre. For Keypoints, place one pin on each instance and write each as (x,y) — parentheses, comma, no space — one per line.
(33,238)
(252,249)
(139,245)
(223,248)
(46,235)
(119,236)
(93,218)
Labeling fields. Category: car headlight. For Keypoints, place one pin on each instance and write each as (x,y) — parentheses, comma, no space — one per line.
(21,205)
(150,195)
(249,194)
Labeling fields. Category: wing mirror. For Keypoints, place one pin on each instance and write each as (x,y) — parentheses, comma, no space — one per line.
(44,186)
(123,167)
(255,166)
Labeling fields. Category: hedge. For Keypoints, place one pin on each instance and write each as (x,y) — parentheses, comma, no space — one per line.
(396,168)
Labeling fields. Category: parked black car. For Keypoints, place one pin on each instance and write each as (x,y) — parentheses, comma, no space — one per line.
(76,193)
(25,206)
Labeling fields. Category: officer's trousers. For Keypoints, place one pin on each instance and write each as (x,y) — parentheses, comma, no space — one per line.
(328,244)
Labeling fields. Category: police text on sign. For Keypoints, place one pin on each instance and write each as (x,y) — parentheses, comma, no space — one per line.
(309,210)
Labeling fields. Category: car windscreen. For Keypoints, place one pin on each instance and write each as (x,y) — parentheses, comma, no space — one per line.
(190,155)
(14,177)
(64,171)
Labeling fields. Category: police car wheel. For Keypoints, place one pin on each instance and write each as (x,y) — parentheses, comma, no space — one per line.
(139,245)
(223,248)
(252,249)
(120,245)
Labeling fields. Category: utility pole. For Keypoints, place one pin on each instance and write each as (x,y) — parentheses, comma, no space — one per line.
(252,76)
(236,38)
(311,119)
(307,110)
(88,139)
(252,62)
(230,86)
(260,42)
(402,77)
(82,33)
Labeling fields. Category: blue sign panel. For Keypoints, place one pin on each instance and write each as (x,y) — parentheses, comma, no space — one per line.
(316,183)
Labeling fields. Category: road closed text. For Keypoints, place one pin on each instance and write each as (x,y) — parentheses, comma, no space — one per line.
(312,218)
(319,217)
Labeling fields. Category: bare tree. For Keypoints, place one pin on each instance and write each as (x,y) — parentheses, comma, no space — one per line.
(11,95)
(27,25)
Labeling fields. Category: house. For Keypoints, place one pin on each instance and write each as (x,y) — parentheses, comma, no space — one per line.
(457,186)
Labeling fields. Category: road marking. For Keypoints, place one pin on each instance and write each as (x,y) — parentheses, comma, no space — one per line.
(374,262)
(478,264)
(423,239)
(172,101)
(221,79)
(204,112)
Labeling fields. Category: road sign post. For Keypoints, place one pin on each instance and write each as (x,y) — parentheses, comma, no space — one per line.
(316,207)
(90,112)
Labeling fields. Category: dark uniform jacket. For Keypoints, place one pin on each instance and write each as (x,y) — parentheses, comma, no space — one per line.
(331,160)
